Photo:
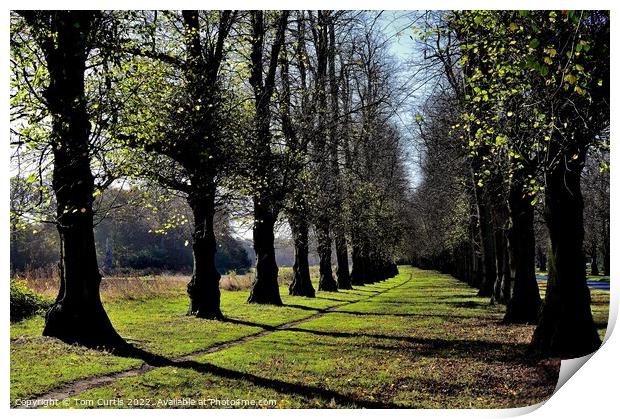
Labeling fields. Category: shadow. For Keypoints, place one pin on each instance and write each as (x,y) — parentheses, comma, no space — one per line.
(302,390)
(470,304)
(515,353)
(334,299)
(127,350)
(248,323)
(364,313)
(600,325)
(318,310)
(457,348)
(358,290)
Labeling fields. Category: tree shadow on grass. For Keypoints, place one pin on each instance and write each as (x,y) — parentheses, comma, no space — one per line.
(335,299)
(470,304)
(307,308)
(513,353)
(368,313)
(303,390)
(516,353)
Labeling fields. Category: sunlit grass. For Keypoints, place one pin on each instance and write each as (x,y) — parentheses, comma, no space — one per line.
(429,342)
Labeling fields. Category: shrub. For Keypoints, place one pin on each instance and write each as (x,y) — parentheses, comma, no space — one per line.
(25,302)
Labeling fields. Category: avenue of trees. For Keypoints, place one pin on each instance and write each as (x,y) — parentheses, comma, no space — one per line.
(517,135)
(289,113)
(184,121)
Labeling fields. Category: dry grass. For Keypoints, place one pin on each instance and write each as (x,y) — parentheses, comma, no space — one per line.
(44,281)
(139,288)
(234,282)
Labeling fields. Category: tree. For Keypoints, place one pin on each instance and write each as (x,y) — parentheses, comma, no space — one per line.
(492,120)
(267,196)
(548,88)
(595,187)
(187,142)
(335,133)
(65,38)
(320,151)
(295,131)
(580,115)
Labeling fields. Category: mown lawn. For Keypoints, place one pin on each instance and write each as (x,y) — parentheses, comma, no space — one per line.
(419,340)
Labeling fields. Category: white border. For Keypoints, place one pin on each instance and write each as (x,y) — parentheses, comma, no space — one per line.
(592,392)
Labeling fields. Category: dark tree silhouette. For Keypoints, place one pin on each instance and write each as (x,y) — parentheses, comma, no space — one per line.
(267,198)
(77,315)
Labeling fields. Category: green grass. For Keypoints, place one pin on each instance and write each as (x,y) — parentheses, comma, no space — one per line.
(158,325)
(426,343)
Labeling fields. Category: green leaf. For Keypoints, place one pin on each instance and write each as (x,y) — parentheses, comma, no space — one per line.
(543,70)
(32,177)
(534,43)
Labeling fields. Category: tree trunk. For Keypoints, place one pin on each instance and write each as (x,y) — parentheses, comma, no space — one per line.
(566,328)
(268,199)
(606,250)
(507,279)
(541,258)
(77,315)
(358,270)
(488,250)
(594,254)
(342,257)
(204,287)
(503,268)
(265,289)
(524,303)
(302,284)
(326,278)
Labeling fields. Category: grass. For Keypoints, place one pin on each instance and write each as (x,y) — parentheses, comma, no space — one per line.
(154,322)
(425,343)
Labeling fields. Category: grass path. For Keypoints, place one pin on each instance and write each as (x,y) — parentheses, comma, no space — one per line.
(419,340)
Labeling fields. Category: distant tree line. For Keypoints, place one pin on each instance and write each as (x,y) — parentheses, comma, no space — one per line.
(131,241)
